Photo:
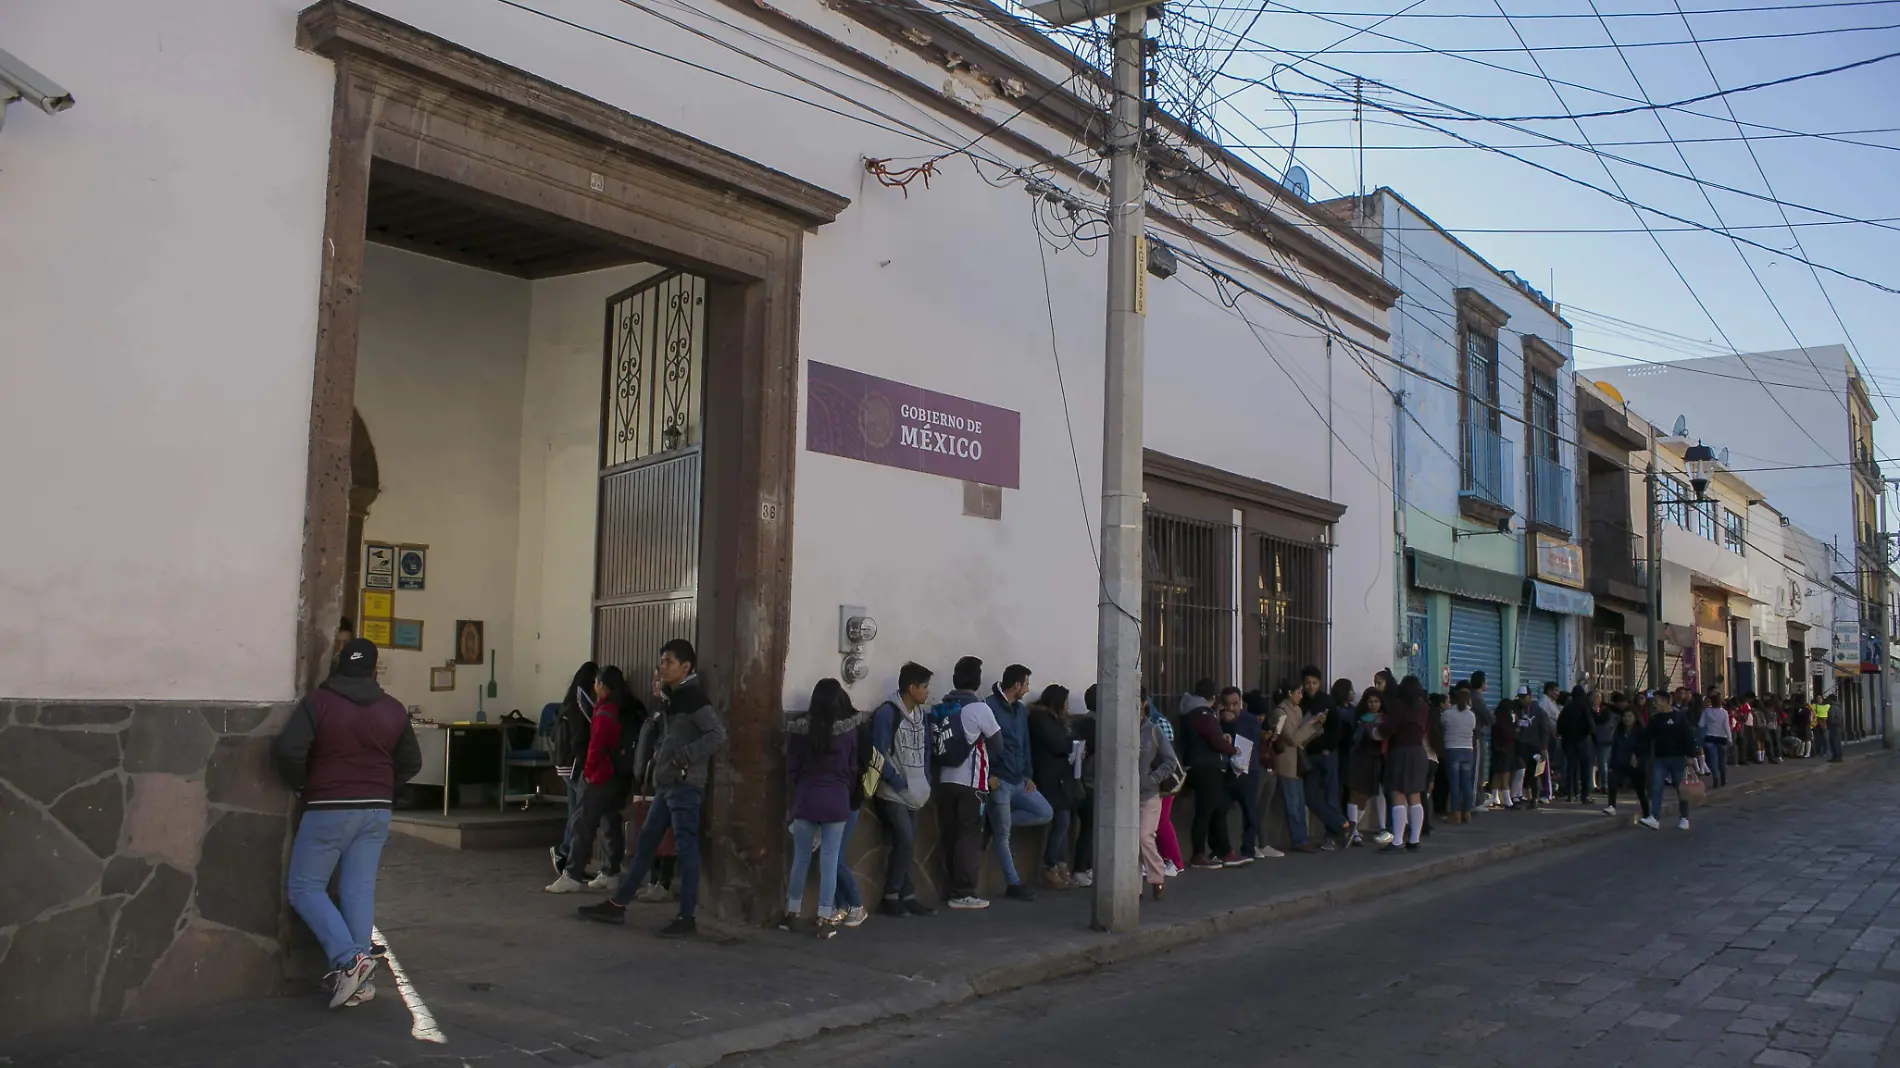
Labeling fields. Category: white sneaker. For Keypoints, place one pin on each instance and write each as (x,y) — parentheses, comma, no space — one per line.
(1383,838)
(1267,852)
(1168,869)
(971,902)
(1650,822)
(1682,824)
(566,884)
(653,894)
(603,881)
(1085,878)
(1609,810)
(855,916)
(366,992)
(345,982)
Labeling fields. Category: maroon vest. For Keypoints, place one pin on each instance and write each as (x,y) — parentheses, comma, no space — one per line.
(352,760)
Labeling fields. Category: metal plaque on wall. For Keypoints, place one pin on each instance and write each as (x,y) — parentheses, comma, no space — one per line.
(862,417)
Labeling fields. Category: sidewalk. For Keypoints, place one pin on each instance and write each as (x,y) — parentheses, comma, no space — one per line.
(511,977)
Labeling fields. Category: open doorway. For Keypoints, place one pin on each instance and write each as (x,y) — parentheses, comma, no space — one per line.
(568,337)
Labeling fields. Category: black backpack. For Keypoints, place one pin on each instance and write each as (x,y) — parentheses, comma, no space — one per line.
(632,720)
(950,742)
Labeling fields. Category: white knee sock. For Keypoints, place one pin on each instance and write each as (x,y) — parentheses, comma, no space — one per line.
(1418,820)
(1517,786)
(1352,816)
(1378,807)
(1398,822)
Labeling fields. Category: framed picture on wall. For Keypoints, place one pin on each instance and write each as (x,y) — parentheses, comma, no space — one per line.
(442,678)
(405,634)
(470,645)
(379,566)
(412,566)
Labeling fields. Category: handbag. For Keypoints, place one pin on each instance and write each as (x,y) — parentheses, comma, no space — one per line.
(1692,788)
(873,772)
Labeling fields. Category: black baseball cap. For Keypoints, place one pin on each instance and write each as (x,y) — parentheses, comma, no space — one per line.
(357,660)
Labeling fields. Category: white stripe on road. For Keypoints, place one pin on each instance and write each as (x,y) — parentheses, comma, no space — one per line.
(423,1027)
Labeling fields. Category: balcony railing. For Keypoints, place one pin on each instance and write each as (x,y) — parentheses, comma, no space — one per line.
(1551,492)
(1486,474)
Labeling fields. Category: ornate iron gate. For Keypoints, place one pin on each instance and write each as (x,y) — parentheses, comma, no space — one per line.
(646,579)
(1186,620)
(1289,609)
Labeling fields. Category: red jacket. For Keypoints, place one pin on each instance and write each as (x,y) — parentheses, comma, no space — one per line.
(602,737)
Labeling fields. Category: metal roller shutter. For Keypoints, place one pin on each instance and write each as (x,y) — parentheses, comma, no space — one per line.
(1537,648)
(1477,641)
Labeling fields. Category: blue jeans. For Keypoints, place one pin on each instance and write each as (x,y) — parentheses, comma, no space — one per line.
(831,843)
(1603,766)
(1293,797)
(1012,806)
(1483,741)
(1246,794)
(675,809)
(1322,790)
(1461,770)
(847,897)
(349,843)
(575,787)
(1668,769)
(1055,849)
(1715,751)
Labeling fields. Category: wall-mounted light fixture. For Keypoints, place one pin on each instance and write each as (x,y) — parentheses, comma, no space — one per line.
(21,82)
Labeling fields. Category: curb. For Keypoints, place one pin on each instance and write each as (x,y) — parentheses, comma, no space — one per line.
(1070,961)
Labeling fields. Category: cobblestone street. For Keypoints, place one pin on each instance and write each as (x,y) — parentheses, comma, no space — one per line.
(1765,936)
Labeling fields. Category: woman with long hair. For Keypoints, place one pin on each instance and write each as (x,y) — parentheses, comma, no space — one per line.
(1408,767)
(1165,839)
(617,713)
(570,747)
(821,760)
(1049,750)
(1365,767)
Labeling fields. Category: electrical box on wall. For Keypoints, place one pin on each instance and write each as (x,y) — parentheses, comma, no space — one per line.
(856,630)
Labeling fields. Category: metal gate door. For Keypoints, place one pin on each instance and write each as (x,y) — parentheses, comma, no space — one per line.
(1477,641)
(646,578)
(1537,649)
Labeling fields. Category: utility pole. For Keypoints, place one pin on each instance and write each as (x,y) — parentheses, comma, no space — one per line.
(1118,709)
(1118,648)
(1653,551)
(1884,680)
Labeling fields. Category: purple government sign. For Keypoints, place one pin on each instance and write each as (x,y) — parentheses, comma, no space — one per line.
(883,422)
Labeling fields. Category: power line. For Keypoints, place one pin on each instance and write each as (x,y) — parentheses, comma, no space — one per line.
(1479,15)
(1479,51)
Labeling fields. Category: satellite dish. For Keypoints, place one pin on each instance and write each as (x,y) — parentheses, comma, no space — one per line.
(1614,393)
(1297,181)
(1682,427)
(1724,457)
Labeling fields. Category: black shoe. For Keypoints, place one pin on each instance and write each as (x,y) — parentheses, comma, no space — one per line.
(894,909)
(918,908)
(1391,847)
(681,927)
(1021,892)
(605,912)
(1411,847)
(787,923)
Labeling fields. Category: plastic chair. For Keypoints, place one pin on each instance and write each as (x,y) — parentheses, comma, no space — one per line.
(539,754)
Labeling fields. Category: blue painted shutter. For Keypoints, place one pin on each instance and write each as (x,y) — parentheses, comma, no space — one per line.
(1537,648)
(1477,642)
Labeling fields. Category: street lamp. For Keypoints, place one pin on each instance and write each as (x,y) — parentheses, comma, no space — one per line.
(1699,460)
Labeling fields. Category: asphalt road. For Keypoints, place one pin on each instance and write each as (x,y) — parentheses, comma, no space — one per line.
(1765,935)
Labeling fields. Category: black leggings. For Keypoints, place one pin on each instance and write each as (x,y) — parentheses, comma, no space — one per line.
(1637,778)
(1211,799)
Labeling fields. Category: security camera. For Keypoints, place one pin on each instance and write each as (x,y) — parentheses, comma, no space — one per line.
(21,82)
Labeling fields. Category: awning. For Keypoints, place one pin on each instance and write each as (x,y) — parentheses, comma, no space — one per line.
(1772,652)
(1465,580)
(1561,599)
(1678,635)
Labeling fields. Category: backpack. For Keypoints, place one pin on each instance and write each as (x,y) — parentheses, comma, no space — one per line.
(631,722)
(950,742)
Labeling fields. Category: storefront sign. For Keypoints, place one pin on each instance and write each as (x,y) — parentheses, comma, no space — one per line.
(1557,560)
(1558,599)
(860,417)
(1847,647)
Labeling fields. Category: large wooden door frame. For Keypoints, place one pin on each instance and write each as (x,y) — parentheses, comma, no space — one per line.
(520,143)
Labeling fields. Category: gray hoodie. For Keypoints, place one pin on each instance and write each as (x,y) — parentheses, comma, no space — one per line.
(681,740)
(910,748)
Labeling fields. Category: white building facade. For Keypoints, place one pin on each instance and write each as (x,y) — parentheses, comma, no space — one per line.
(520,344)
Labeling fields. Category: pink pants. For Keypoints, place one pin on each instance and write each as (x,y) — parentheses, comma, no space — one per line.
(1151,821)
(1164,836)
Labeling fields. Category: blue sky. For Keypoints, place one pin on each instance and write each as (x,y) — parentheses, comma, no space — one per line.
(1603,277)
